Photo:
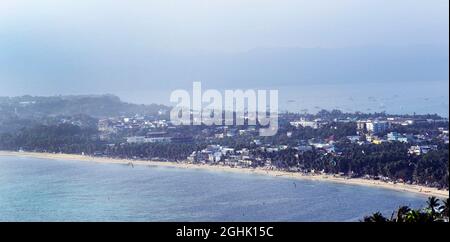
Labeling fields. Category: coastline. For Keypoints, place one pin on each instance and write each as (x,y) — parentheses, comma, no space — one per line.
(417,189)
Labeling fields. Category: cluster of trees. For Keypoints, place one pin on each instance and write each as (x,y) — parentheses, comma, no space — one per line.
(333,130)
(169,152)
(420,127)
(73,139)
(392,160)
(389,160)
(434,212)
(93,105)
(62,138)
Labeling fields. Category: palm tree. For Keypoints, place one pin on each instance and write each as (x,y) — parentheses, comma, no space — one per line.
(412,216)
(376,218)
(433,204)
(417,216)
(434,212)
(444,210)
(401,214)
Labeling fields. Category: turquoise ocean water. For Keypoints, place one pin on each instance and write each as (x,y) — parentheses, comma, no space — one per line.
(56,190)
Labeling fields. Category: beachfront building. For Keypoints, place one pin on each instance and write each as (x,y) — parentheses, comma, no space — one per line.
(421,149)
(160,138)
(136,140)
(315,124)
(361,125)
(376,127)
(394,136)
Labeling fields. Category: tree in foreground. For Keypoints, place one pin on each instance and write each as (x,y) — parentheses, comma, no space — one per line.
(433,212)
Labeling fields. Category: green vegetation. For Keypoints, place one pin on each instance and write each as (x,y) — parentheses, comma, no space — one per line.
(389,160)
(434,212)
(154,151)
(62,138)
(30,107)
(72,139)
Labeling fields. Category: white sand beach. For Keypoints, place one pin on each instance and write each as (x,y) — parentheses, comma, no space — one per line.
(418,189)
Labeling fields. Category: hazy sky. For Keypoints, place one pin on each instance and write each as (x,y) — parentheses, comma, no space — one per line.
(50,47)
(225,25)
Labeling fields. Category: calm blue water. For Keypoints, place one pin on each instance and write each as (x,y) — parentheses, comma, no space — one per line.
(50,190)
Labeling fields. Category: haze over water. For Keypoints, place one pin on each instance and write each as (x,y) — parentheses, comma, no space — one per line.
(396,98)
(50,190)
(372,55)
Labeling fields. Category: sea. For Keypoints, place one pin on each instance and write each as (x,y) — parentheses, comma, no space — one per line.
(33,189)
(430,97)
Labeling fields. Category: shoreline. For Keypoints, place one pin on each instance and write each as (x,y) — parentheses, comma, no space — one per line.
(417,189)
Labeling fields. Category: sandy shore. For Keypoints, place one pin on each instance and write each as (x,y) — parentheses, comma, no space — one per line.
(423,190)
